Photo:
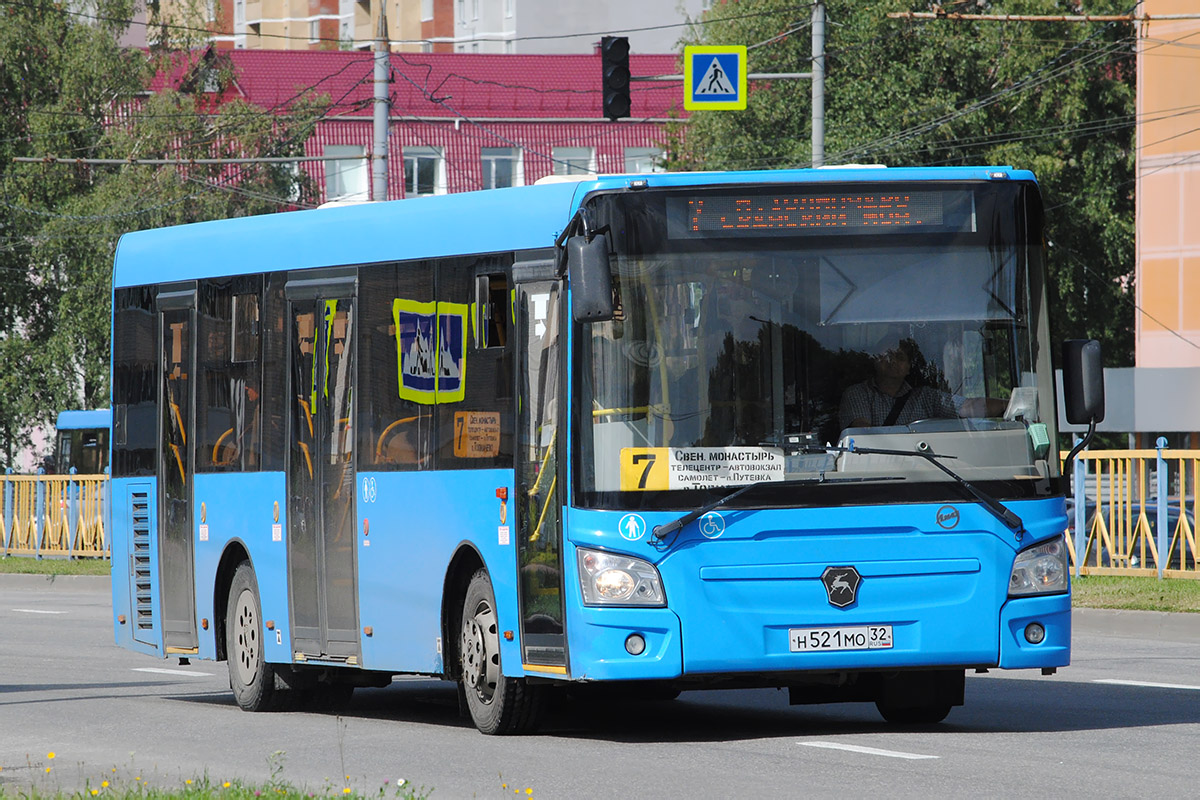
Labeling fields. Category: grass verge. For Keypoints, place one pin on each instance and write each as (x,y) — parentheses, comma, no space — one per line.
(21,565)
(1138,594)
(40,781)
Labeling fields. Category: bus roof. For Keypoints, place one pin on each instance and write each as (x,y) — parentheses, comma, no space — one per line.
(80,420)
(496,220)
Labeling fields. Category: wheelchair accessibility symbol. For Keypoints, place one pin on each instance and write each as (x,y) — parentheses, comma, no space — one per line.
(711,525)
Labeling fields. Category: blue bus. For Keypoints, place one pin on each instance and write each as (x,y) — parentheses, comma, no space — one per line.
(81,442)
(659,432)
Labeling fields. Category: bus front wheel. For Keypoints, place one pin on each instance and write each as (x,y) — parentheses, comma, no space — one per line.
(251,678)
(498,705)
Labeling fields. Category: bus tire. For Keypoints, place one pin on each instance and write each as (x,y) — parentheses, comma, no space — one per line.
(251,678)
(498,705)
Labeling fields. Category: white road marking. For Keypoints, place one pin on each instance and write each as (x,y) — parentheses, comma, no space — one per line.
(160,671)
(870,751)
(1149,684)
(37,611)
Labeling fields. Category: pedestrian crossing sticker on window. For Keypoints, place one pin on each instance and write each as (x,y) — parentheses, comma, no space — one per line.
(714,78)
(430,350)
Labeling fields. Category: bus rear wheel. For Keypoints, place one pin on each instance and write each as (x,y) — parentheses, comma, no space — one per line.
(498,705)
(251,678)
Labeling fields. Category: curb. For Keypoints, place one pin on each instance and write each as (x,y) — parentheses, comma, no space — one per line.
(1171,626)
(96,583)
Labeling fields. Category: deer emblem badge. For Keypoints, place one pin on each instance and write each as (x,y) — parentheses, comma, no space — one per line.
(841,585)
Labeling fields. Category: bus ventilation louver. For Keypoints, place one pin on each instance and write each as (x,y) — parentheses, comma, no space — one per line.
(143,607)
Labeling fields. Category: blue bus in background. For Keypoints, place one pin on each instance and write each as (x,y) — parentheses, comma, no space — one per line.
(81,442)
(624,430)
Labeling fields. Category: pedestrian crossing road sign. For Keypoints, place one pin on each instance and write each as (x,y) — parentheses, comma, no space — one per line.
(714,78)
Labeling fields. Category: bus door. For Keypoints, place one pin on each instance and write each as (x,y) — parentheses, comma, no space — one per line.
(322,573)
(176,324)
(540,490)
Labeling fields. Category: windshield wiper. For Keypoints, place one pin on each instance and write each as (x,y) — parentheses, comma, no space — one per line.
(662,531)
(997,509)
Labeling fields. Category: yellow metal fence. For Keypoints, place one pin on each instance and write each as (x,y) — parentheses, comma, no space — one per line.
(1120,497)
(63,515)
(54,515)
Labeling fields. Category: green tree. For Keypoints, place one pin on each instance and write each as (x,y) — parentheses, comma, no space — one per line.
(1054,97)
(68,89)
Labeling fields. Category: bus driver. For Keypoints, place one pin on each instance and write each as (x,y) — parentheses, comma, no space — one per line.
(887,398)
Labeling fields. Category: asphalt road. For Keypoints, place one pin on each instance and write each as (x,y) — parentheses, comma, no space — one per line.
(1122,721)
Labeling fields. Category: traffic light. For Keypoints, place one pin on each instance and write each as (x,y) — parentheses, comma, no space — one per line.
(614,55)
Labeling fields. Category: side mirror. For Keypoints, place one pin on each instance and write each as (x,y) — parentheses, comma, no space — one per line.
(1083,381)
(590,279)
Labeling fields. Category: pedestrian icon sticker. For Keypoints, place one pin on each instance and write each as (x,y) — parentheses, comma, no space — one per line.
(714,78)
(632,527)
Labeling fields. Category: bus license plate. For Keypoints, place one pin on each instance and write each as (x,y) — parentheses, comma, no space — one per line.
(860,637)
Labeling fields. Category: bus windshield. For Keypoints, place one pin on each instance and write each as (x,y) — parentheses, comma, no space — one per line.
(764,335)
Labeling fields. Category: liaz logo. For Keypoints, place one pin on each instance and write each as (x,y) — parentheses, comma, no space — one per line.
(841,584)
(947,517)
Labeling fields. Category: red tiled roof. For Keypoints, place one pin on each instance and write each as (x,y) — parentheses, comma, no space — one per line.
(451,84)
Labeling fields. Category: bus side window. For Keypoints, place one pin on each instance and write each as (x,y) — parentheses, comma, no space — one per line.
(493,310)
(474,398)
(396,431)
(229,361)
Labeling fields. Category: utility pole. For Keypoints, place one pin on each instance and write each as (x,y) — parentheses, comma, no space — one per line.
(818,83)
(379,145)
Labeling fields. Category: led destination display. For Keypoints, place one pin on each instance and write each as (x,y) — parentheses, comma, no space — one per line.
(827,213)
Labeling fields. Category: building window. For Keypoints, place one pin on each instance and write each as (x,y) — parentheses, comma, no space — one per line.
(643,159)
(574,160)
(239,12)
(210,10)
(501,167)
(314,30)
(346,180)
(426,47)
(295,182)
(510,47)
(474,9)
(508,8)
(426,10)
(462,12)
(423,171)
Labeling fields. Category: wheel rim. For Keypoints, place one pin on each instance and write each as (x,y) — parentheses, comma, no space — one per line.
(480,652)
(247,650)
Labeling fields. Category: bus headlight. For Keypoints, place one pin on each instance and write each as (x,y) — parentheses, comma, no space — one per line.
(608,579)
(1042,569)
